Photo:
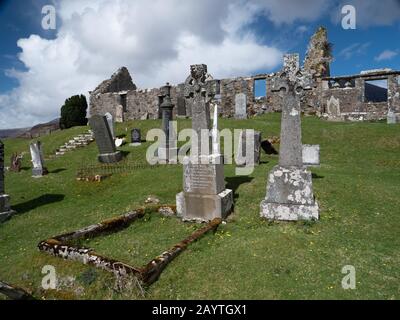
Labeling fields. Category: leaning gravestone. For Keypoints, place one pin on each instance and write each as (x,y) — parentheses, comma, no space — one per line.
(289,193)
(104,140)
(136,137)
(248,148)
(5,210)
(204,196)
(110,121)
(38,167)
(240,106)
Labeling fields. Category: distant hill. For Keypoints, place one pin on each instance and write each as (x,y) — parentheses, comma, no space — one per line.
(12,133)
(33,132)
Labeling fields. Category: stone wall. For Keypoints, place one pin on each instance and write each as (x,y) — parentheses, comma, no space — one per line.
(348,96)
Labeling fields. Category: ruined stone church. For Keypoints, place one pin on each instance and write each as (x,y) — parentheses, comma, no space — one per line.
(347,97)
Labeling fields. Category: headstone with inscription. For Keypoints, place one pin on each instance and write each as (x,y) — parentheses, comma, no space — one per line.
(104,140)
(240,106)
(136,137)
(38,167)
(248,148)
(204,195)
(289,193)
(5,210)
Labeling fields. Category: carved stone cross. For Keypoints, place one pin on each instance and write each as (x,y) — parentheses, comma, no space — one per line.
(200,86)
(291,82)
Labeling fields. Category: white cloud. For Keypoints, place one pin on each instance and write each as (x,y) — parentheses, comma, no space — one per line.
(157,40)
(386,55)
(355,49)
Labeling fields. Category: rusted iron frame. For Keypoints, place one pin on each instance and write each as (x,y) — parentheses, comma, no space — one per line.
(60,246)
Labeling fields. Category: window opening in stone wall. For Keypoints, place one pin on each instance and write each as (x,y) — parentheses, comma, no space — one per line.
(376,90)
(260,88)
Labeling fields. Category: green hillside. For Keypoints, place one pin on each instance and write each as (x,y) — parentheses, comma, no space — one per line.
(357,186)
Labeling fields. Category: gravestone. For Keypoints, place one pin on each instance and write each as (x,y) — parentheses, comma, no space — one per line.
(289,193)
(204,196)
(311,154)
(38,167)
(240,106)
(5,210)
(248,148)
(119,113)
(110,121)
(16,160)
(181,105)
(104,140)
(391,117)
(167,151)
(136,137)
(333,108)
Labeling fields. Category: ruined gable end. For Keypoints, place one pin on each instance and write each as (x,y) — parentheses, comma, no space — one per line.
(121,80)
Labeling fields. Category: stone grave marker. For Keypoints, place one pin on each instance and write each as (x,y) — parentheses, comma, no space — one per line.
(204,196)
(391,117)
(289,193)
(110,121)
(38,167)
(248,148)
(181,105)
(104,140)
(5,210)
(240,106)
(136,137)
(168,150)
(310,154)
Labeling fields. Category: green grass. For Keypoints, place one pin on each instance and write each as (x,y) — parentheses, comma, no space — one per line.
(357,186)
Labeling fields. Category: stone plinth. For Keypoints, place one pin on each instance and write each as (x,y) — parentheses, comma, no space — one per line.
(204,196)
(289,195)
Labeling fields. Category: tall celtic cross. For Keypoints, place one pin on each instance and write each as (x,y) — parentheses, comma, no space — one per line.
(201,88)
(291,83)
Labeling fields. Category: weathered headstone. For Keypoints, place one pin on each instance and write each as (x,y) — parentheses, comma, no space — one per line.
(391,117)
(241,106)
(181,105)
(333,108)
(119,113)
(204,196)
(16,162)
(289,193)
(136,137)
(311,155)
(168,151)
(5,210)
(248,148)
(104,140)
(110,121)
(38,167)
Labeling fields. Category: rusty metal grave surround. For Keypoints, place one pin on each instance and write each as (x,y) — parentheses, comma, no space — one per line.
(61,246)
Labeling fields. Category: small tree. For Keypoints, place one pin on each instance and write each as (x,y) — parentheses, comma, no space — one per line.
(73,112)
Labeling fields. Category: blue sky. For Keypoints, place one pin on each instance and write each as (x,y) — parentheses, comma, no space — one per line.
(238,37)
